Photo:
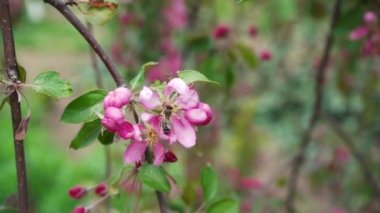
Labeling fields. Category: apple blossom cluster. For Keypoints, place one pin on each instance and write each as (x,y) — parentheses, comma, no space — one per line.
(168,116)
(369,33)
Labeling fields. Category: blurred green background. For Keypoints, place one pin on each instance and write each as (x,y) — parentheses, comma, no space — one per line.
(261,106)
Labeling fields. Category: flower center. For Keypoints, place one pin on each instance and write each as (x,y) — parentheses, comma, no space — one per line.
(150,136)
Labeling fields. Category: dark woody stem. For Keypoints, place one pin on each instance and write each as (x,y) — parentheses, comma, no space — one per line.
(70,16)
(13,75)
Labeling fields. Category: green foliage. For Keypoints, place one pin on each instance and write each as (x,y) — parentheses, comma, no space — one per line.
(209,183)
(86,135)
(246,54)
(49,83)
(154,177)
(226,205)
(84,108)
(106,137)
(192,76)
(138,81)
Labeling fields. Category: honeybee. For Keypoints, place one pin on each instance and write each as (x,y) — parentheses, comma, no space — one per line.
(166,125)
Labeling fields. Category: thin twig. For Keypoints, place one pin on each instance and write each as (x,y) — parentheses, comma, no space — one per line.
(94,61)
(306,137)
(70,16)
(368,175)
(13,75)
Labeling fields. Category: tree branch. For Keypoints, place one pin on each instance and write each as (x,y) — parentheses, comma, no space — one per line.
(306,137)
(13,75)
(368,175)
(70,16)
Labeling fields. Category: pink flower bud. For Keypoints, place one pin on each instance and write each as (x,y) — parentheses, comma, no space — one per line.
(359,33)
(113,118)
(338,210)
(170,157)
(252,31)
(199,116)
(221,31)
(79,209)
(101,189)
(117,98)
(77,192)
(265,55)
(341,154)
(369,17)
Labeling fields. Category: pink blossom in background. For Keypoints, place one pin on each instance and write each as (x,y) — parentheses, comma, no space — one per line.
(221,31)
(251,183)
(342,154)
(369,17)
(252,31)
(265,55)
(175,14)
(167,67)
(338,210)
(359,33)
(246,206)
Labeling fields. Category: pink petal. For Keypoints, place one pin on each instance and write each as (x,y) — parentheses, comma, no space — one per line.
(184,132)
(369,17)
(114,113)
(126,130)
(137,132)
(359,33)
(135,152)
(149,99)
(199,116)
(176,85)
(124,95)
(159,153)
(188,99)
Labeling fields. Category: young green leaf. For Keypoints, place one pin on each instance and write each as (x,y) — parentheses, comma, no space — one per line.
(106,137)
(84,108)
(247,55)
(154,177)
(86,135)
(138,80)
(50,84)
(191,76)
(226,205)
(21,73)
(209,183)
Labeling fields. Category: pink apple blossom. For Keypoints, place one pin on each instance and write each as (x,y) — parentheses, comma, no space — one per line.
(179,108)
(175,14)
(265,55)
(369,17)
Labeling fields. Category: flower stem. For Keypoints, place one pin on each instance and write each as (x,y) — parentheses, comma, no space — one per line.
(13,75)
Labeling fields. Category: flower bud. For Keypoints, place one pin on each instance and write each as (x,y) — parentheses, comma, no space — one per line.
(77,192)
(221,31)
(117,98)
(126,130)
(265,55)
(79,209)
(252,31)
(170,157)
(101,189)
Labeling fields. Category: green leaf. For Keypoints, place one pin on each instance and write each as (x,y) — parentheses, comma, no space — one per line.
(101,15)
(106,137)
(226,205)
(50,84)
(21,73)
(154,177)
(86,135)
(3,102)
(84,108)
(209,183)
(138,80)
(191,76)
(247,55)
